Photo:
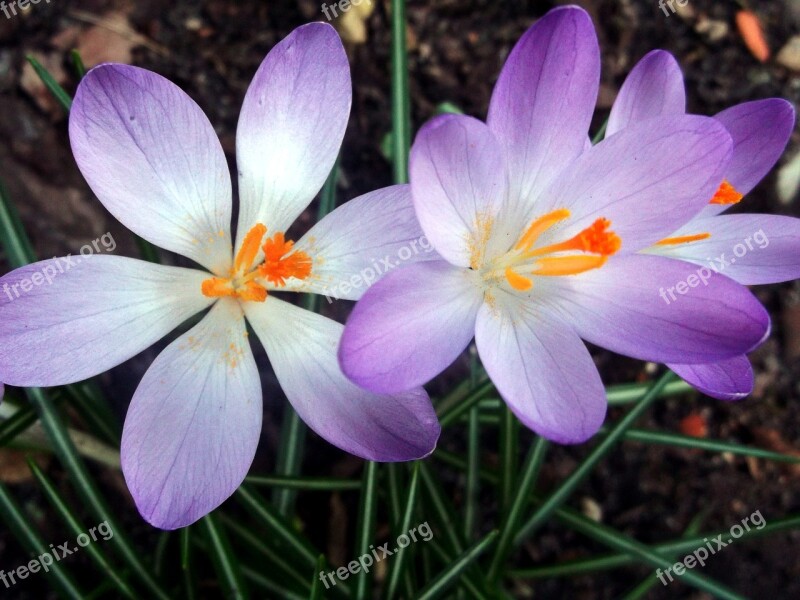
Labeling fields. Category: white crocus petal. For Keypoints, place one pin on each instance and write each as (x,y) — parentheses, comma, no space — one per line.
(301,346)
(359,242)
(193,425)
(291,127)
(80,316)
(154,161)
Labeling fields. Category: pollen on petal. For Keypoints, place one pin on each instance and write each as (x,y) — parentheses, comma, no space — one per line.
(726,194)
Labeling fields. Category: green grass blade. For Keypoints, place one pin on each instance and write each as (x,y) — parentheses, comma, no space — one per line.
(401,104)
(77,63)
(225,561)
(186,563)
(520,501)
(79,528)
(16,244)
(566,488)
(316,580)
(643,553)
(606,562)
(447,578)
(450,412)
(601,133)
(65,450)
(509,446)
(51,84)
(647,584)
(367,515)
(20,422)
(275,590)
(397,567)
(630,393)
(20,525)
(685,441)
(275,523)
(316,484)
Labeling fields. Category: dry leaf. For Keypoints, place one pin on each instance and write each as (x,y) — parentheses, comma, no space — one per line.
(752,33)
(789,180)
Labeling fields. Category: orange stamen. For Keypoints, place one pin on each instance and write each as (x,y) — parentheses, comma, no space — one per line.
(249,250)
(683,239)
(280,263)
(569,265)
(517,281)
(595,239)
(726,194)
(217,287)
(539,226)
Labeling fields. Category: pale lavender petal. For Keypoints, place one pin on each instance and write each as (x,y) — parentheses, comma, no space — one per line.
(152,158)
(291,127)
(760,131)
(458,183)
(648,180)
(194,422)
(661,310)
(730,379)
(654,88)
(361,241)
(751,249)
(542,105)
(301,346)
(410,326)
(68,319)
(541,368)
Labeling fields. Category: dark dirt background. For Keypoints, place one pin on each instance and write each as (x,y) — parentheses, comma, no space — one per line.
(212,49)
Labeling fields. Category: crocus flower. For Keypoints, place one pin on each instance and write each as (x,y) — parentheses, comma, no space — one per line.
(540,241)
(749,248)
(153,159)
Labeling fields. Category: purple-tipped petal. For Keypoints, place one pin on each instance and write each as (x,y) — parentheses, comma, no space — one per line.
(458,183)
(541,368)
(542,105)
(760,131)
(301,346)
(152,158)
(648,180)
(654,88)
(94,313)
(194,422)
(750,249)
(659,309)
(291,127)
(361,241)
(410,326)
(728,380)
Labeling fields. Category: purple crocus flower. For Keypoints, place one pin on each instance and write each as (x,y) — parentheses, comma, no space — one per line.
(153,159)
(749,248)
(540,238)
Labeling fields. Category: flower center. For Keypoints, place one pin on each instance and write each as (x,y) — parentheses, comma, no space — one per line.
(587,250)
(248,281)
